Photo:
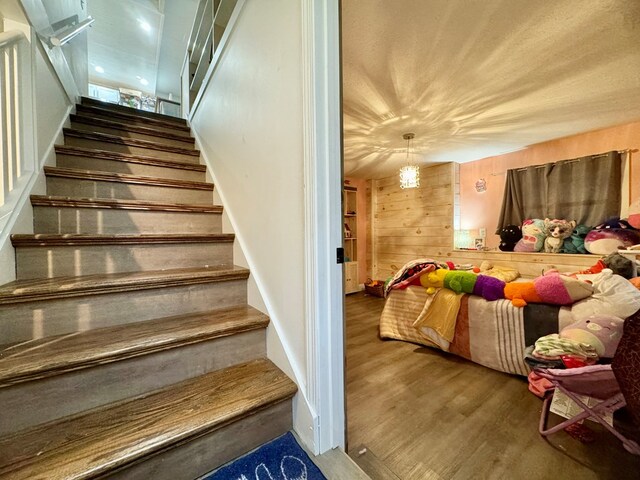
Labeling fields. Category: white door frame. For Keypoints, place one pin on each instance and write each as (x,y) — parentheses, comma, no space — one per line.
(323,220)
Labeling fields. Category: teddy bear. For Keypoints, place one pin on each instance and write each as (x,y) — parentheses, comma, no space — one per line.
(509,236)
(602,332)
(556,231)
(532,236)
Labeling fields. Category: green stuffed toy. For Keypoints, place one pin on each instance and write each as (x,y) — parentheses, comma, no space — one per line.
(575,243)
(460,281)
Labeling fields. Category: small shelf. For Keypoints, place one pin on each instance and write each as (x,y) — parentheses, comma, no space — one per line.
(350,243)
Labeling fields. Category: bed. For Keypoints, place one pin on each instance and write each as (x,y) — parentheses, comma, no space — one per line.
(494,334)
(491,333)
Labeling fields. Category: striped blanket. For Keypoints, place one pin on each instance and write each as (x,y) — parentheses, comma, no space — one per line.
(493,334)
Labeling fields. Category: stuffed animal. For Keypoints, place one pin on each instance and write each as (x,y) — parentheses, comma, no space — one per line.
(602,332)
(555,232)
(575,243)
(532,236)
(619,265)
(433,280)
(489,288)
(552,288)
(460,281)
(509,236)
(610,236)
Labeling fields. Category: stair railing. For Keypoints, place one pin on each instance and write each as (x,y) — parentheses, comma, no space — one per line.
(17,133)
(208,37)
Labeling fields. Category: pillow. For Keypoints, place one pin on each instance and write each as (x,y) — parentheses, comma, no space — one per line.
(612,294)
(602,332)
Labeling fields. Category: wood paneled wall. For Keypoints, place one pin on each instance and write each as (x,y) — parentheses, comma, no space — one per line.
(412,223)
(415,223)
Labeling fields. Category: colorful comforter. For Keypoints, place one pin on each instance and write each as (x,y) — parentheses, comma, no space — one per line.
(491,333)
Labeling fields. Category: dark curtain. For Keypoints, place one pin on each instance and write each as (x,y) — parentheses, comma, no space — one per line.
(586,190)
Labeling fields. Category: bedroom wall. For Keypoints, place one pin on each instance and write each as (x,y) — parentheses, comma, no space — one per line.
(412,223)
(481,210)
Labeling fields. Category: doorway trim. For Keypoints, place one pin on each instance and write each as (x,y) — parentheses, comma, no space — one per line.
(324,290)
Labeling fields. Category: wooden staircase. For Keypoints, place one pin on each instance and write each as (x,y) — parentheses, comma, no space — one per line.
(128,349)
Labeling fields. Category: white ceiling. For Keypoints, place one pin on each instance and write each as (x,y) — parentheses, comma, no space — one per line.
(478,78)
(128,53)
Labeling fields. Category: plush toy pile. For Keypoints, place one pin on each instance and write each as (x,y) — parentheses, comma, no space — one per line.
(563,236)
(552,288)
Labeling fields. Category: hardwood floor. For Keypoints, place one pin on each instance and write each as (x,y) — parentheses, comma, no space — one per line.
(417,413)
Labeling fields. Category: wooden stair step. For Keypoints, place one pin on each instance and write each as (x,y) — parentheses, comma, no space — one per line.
(131,145)
(126,157)
(79,174)
(129,128)
(68,240)
(106,439)
(20,291)
(121,162)
(72,202)
(64,353)
(131,111)
(100,111)
(56,255)
(80,214)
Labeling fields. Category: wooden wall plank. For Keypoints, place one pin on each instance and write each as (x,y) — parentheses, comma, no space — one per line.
(418,223)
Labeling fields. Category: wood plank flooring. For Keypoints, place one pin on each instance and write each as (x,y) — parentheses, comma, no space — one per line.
(424,414)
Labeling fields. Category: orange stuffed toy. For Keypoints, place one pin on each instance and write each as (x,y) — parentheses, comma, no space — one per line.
(521,293)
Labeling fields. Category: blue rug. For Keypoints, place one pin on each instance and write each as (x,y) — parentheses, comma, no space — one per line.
(280,459)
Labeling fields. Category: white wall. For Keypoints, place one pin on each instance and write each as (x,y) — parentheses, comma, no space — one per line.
(249,126)
(51,110)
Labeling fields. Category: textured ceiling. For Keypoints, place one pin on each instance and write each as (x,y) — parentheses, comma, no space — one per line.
(128,53)
(478,78)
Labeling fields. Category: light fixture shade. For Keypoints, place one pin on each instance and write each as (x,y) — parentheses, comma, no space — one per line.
(410,176)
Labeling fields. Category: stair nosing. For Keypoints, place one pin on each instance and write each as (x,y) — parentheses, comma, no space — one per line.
(110,203)
(189,423)
(80,174)
(132,142)
(127,157)
(101,122)
(29,370)
(22,291)
(64,240)
(131,111)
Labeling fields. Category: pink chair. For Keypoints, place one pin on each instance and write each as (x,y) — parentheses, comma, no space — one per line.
(614,385)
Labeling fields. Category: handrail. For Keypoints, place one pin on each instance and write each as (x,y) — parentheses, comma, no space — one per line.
(17,135)
(11,37)
(69,33)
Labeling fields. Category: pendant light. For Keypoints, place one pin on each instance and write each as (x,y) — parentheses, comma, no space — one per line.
(409,174)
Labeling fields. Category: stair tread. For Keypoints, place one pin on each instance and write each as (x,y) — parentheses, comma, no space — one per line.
(80,202)
(63,353)
(129,117)
(73,239)
(99,441)
(81,174)
(63,287)
(132,111)
(126,157)
(132,142)
(120,125)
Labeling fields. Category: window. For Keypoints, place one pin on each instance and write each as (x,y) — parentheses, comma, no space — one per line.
(587,190)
